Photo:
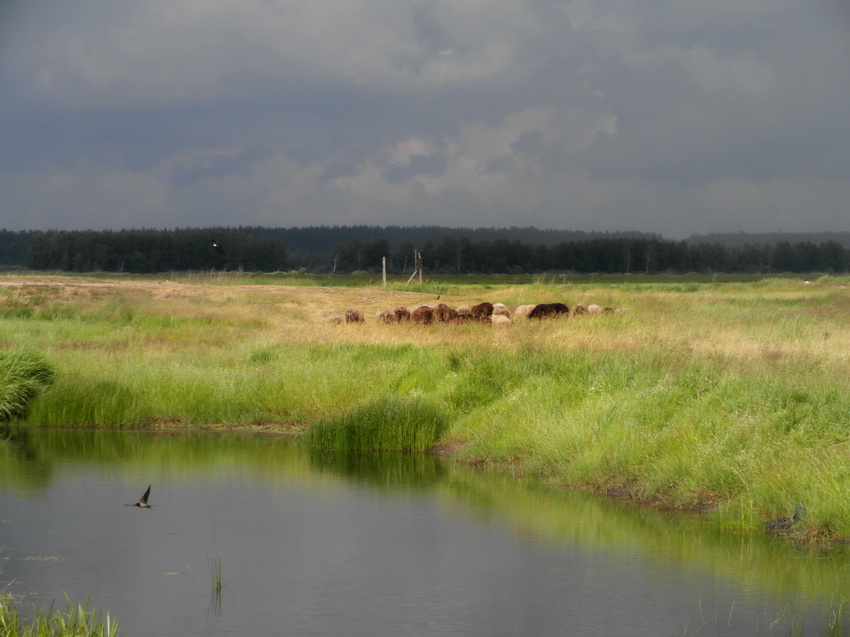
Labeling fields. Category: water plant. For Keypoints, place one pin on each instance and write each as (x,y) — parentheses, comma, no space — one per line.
(77,620)
(214,566)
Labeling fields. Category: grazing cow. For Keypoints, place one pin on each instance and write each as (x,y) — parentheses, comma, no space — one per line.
(354,315)
(385,315)
(500,309)
(444,314)
(579,309)
(464,315)
(402,313)
(482,310)
(422,314)
(549,310)
(336,319)
(523,311)
(500,320)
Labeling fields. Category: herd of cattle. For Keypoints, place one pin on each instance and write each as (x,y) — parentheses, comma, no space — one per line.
(493,313)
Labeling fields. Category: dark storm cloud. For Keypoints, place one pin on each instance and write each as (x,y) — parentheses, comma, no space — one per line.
(581,114)
(213,166)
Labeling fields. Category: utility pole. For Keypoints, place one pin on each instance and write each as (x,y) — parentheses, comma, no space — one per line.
(417,268)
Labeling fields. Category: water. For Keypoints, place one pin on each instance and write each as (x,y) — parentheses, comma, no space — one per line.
(397,545)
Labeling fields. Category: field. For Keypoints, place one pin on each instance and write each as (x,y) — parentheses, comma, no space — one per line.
(728,397)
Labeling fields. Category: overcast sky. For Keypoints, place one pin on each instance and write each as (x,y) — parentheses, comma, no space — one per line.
(669,116)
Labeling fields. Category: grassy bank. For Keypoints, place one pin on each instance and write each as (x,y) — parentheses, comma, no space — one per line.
(23,374)
(723,396)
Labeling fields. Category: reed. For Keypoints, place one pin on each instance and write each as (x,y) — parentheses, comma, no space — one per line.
(23,374)
(216,583)
(215,573)
(77,620)
(385,424)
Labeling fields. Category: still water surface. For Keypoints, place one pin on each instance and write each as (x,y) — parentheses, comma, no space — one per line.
(396,545)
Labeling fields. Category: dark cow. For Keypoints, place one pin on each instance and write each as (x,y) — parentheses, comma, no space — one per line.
(549,310)
(482,310)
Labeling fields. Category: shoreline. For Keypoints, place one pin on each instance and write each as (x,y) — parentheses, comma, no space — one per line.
(729,400)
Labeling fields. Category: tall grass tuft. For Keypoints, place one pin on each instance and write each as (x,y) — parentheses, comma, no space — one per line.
(78,620)
(23,373)
(385,424)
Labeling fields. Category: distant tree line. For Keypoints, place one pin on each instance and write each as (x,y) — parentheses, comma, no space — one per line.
(315,246)
(487,251)
(458,255)
(744,238)
(14,247)
(146,251)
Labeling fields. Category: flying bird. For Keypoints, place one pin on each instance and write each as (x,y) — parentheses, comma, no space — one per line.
(143,503)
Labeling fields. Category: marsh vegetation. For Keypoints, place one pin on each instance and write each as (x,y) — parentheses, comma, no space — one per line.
(78,620)
(728,397)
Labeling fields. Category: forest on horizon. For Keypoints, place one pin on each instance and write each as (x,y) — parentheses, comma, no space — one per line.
(341,249)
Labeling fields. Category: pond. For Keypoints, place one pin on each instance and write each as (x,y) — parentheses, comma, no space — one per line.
(396,544)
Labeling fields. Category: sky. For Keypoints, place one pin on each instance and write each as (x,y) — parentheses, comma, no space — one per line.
(667,116)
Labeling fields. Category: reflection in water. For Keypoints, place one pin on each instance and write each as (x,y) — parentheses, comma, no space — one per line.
(401,471)
(323,543)
(21,464)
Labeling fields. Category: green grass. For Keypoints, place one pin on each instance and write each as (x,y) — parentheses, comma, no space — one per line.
(23,374)
(385,424)
(221,385)
(755,446)
(78,620)
(729,396)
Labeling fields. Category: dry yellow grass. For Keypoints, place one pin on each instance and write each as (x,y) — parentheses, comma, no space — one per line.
(786,324)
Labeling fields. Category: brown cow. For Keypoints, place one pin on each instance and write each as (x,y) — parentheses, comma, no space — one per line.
(422,314)
(444,314)
(385,315)
(482,310)
(354,315)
